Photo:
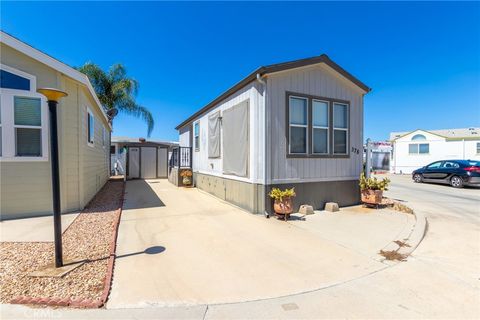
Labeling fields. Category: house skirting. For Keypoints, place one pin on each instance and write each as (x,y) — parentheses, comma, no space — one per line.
(248,196)
(345,193)
(254,197)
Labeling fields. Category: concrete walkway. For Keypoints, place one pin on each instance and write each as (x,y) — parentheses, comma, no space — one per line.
(180,246)
(38,229)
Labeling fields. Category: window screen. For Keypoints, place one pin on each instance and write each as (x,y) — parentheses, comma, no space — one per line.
(340,128)
(320,126)
(298,122)
(235,123)
(214,135)
(90,127)
(28,142)
(27,124)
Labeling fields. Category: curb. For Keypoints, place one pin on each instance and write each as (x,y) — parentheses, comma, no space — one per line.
(412,237)
(79,302)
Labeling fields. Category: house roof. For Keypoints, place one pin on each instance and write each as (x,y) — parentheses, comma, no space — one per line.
(263,70)
(53,63)
(461,133)
(116,139)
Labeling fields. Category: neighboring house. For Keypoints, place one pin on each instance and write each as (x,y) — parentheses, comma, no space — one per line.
(295,124)
(83,133)
(415,149)
(140,158)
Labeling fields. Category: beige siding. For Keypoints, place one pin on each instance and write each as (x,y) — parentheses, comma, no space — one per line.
(316,80)
(25,187)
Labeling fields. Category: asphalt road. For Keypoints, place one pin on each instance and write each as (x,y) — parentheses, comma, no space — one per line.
(452,241)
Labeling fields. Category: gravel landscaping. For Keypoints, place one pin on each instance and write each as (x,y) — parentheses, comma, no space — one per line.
(90,237)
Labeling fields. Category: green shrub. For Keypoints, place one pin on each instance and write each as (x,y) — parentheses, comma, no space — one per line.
(373,183)
(279,195)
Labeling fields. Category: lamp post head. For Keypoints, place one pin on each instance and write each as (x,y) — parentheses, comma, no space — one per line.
(52,94)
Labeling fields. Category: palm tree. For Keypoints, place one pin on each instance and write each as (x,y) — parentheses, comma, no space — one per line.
(116,90)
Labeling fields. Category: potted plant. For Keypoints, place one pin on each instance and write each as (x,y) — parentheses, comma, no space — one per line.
(283,202)
(372,189)
(186,177)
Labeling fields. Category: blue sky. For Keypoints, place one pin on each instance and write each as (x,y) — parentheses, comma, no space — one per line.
(421,59)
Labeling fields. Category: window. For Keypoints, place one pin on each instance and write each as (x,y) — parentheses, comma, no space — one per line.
(320,127)
(196,134)
(112,149)
(9,80)
(317,127)
(28,127)
(298,122)
(478,147)
(434,165)
(340,128)
(418,137)
(450,164)
(104,137)
(418,148)
(23,118)
(90,128)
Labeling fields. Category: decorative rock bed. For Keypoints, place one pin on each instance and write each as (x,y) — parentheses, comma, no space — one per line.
(91,237)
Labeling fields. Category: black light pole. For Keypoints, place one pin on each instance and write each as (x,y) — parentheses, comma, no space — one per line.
(53,95)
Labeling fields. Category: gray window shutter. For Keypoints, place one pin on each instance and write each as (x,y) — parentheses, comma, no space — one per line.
(214,135)
(235,121)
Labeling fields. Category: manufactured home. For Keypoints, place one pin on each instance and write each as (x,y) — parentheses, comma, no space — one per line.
(295,124)
(140,158)
(417,148)
(83,133)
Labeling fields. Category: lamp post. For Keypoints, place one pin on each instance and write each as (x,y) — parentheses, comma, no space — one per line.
(53,95)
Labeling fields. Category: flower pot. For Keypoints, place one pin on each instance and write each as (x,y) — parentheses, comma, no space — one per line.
(283,208)
(372,196)
(186,181)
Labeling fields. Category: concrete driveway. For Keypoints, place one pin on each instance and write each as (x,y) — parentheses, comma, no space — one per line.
(180,246)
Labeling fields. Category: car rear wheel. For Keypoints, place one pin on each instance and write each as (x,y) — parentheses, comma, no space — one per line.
(417,178)
(456,182)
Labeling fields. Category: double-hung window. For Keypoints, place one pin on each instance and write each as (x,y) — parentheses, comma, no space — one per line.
(90,128)
(298,125)
(320,115)
(196,134)
(317,126)
(340,128)
(23,117)
(28,126)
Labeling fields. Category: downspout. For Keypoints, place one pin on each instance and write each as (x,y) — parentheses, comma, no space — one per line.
(265,140)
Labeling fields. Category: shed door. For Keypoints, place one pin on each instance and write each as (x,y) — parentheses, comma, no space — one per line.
(162,162)
(148,166)
(133,163)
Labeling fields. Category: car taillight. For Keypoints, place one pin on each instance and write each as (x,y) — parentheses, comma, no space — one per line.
(473,169)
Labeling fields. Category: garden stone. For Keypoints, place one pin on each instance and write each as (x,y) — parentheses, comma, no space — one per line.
(306,209)
(331,207)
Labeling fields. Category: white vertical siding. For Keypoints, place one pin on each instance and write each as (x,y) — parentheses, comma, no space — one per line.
(203,164)
(317,80)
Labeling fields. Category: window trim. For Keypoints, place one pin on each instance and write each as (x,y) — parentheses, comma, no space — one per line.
(418,149)
(90,114)
(310,154)
(196,146)
(306,126)
(8,126)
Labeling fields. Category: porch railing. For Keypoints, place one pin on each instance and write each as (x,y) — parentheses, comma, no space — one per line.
(181,157)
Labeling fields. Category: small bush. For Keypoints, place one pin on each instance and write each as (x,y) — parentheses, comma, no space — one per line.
(373,183)
(279,195)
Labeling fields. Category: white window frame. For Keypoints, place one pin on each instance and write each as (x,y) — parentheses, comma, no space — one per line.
(90,114)
(290,125)
(418,149)
(7,109)
(104,137)
(320,127)
(347,138)
(196,145)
